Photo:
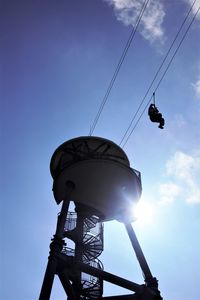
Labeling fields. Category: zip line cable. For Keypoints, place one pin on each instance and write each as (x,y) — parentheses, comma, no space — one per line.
(157,73)
(190,24)
(127,46)
(180,43)
(118,67)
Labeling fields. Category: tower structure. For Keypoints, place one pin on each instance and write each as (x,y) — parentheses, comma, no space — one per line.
(94,174)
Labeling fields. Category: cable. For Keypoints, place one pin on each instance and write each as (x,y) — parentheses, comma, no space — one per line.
(118,67)
(162,76)
(180,43)
(105,98)
(156,75)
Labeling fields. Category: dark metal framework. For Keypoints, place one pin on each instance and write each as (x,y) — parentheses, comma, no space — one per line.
(79,270)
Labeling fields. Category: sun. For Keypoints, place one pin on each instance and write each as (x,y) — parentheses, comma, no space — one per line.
(144,212)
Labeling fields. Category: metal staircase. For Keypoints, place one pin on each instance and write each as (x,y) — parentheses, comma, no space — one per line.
(91,248)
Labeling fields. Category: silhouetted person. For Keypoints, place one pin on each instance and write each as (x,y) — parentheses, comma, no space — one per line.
(156,116)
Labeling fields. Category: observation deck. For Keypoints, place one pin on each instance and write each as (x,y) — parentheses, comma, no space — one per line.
(104,181)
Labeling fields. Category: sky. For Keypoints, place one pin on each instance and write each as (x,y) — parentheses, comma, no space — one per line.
(57,59)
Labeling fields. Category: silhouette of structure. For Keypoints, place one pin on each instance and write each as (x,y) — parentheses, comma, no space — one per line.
(95,174)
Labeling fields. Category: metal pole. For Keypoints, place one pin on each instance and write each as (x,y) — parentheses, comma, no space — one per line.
(151,282)
(67,285)
(55,247)
(124,297)
(139,254)
(78,257)
(132,286)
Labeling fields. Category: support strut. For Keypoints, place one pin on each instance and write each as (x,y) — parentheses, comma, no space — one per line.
(132,286)
(149,279)
(56,247)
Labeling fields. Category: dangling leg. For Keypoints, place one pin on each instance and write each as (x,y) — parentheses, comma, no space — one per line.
(161,121)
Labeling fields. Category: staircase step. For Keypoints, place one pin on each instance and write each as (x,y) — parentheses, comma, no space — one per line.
(91,222)
(91,255)
(92,247)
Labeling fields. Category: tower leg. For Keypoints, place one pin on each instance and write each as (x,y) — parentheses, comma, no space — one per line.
(149,279)
(55,248)
(67,285)
(151,282)
(78,257)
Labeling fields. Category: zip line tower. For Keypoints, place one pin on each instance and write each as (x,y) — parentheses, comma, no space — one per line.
(94,174)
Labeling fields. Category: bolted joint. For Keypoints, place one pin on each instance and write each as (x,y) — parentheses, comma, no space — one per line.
(151,282)
(57,244)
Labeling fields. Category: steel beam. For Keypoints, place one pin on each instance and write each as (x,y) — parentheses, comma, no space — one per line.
(56,247)
(132,286)
(67,285)
(123,297)
(78,257)
(138,251)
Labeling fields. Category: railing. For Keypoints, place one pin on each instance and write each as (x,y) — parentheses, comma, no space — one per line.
(92,247)
(70,221)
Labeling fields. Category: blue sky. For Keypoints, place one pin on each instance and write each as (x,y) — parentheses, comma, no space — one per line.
(57,58)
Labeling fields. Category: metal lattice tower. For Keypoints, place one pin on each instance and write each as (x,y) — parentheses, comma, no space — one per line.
(94,174)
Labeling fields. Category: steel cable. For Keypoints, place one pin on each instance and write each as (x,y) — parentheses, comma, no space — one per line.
(162,77)
(127,46)
(157,72)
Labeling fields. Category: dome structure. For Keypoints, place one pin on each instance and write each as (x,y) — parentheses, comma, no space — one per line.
(100,170)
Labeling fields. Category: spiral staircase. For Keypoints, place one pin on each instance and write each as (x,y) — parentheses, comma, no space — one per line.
(91,248)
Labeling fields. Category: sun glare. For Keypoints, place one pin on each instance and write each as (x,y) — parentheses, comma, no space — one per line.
(144,212)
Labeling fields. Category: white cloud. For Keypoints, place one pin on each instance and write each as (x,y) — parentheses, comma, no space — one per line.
(181,165)
(195,6)
(169,192)
(196,87)
(150,27)
(178,121)
(184,169)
